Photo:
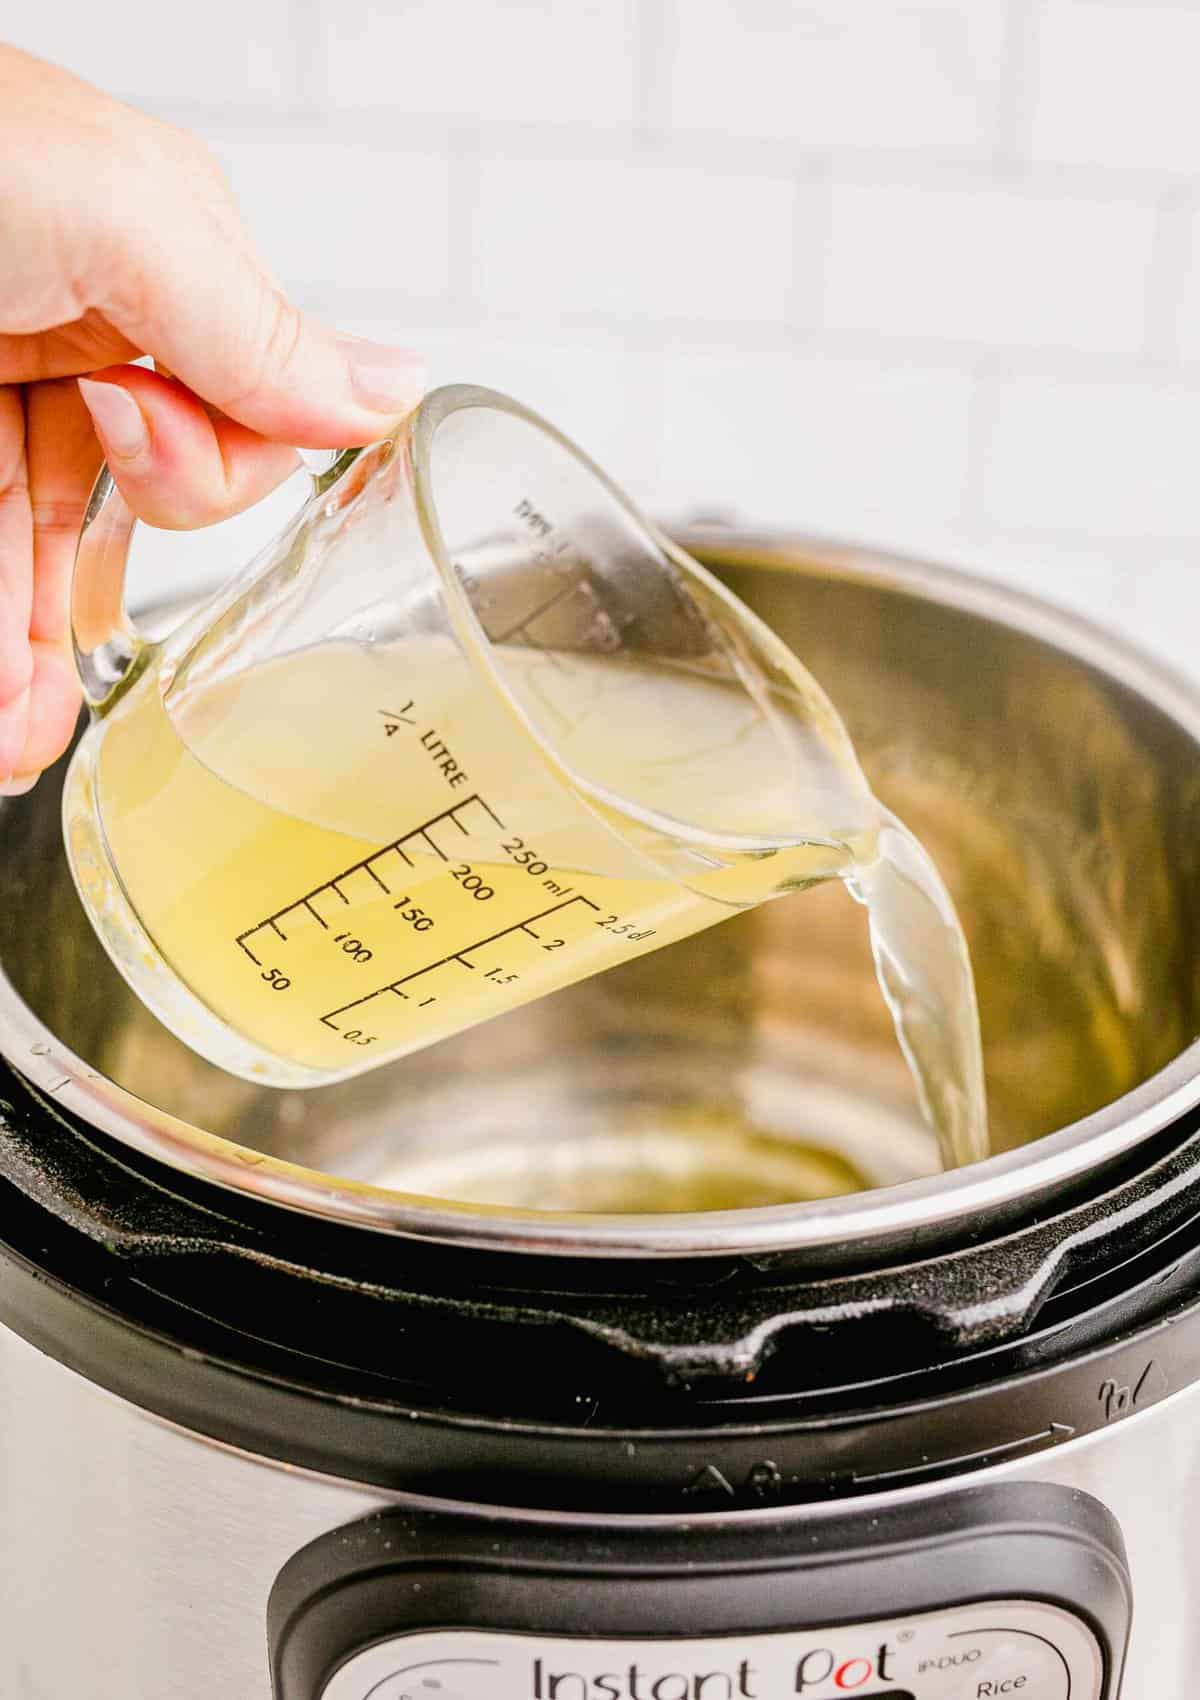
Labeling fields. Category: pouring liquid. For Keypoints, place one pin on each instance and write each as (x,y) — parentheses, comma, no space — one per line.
(349,847)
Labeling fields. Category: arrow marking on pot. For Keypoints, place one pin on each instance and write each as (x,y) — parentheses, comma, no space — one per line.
(710,1480)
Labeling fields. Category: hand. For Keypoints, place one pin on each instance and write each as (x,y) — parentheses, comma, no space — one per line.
(119,238)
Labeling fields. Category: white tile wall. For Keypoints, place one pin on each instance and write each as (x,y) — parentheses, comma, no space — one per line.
(827,441)
(991,265)
(1115,85)
(1159,610)
(578,381)
(162,52)
(926,273)
(1090,456)
(923,76)
(634,239)
(472,61)
(1188,295)
(327,209)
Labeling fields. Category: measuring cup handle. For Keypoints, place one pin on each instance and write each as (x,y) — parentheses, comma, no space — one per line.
(106,642)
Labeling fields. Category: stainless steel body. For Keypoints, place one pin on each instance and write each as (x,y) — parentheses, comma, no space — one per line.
(137,1559)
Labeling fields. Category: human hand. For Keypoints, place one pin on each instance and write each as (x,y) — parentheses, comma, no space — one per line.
(120,238)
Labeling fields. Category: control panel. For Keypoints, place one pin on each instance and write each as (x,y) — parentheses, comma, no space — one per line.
(1019,1592)
(1018,1649)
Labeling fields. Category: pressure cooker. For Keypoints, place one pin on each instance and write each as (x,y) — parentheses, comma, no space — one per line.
(633,1346)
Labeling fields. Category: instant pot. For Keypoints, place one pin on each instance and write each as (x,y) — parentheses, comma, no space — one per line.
(630,1348)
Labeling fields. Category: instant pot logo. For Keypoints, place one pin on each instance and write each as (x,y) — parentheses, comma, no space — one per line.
(819,1672)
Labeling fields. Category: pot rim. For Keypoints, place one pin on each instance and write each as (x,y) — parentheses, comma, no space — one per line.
(880,1221)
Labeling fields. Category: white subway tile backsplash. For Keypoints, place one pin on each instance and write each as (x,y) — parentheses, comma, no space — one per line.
(1116,85)
(579,383)
(925,273)
(340,215)
(838,73)
(638,239)
(1173,280)
(526,61)
(224,51)
(1187,304)
(1083,576)
(991,266)
(1111,459)
(1161,611)
(164,565)
(808,441)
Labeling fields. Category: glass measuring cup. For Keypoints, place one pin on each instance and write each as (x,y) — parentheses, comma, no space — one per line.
(470,730)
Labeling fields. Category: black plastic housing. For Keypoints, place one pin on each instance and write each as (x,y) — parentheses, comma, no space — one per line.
(644,1387)
(390,1575)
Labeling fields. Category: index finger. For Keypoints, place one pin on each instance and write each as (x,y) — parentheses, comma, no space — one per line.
(191,293)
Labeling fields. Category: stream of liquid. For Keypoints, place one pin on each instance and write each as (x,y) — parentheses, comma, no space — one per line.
(354,848)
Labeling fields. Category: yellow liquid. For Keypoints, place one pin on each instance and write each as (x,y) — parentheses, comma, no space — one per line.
(355,849)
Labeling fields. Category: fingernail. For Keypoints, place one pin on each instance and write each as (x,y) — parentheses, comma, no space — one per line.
(118,418)
(19,784)
(383,378)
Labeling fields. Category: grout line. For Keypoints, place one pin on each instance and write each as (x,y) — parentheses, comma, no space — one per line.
(642,429)
(938,536)
(697,149)
(1170,259)
(1014,114)
(972,505)
(436,313)
(1114,542)
(995,534)
(1147,5)
(654,44)
(310,57)
(465,283)
(895,352)
(1131,577)
(812,248)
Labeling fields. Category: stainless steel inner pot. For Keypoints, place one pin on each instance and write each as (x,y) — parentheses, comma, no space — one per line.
(742,1091)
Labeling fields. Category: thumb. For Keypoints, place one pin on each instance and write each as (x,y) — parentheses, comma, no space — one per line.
(205,310)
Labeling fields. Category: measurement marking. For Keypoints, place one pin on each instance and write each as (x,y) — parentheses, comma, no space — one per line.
(454,956)
(426,1003)
(525,928)
(390,714)
(436,848)
(422,831)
